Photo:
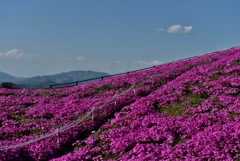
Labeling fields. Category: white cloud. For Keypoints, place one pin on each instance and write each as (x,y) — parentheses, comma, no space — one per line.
(80,58)
(15,54)
(150,63)
(176,29)
(180,29)
(188,29)
(115,66)
(159,29)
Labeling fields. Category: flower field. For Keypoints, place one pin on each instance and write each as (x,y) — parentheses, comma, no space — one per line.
(184,110)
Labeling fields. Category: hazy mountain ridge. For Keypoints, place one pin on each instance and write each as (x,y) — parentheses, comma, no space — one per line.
(47,80)
(4,77)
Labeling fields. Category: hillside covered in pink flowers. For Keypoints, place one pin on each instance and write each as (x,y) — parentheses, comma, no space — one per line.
(184,110)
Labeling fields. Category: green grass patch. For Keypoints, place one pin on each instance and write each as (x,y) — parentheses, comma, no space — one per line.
(178,108)
(216,77)
(196,99)
(217,69)
(179,141)
(233,114)
(233,154)
(19,118)
(31,132)
(48,116)
(173,110)
(111,156)
(236,62)
(195,154)
(76,116)
(187,90)
(107,87)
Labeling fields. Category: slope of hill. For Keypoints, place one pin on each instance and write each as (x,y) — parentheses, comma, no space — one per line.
(45,81)
(4,77)
(185,110)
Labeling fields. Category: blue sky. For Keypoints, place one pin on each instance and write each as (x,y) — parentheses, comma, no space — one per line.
(41,37)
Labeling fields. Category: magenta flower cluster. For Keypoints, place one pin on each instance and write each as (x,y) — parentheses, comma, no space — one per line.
(185,110)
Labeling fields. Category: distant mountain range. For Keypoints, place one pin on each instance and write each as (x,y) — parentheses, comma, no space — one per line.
(45,81)
(4,77)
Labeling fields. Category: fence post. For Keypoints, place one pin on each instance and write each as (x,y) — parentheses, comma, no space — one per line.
(115,100)
(51,86)
(58,136)
(134,90)
(92,116)
(76,82)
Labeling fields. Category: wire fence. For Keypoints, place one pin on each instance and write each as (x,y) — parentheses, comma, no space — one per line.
(81,119)
(69,84)
(61,85)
